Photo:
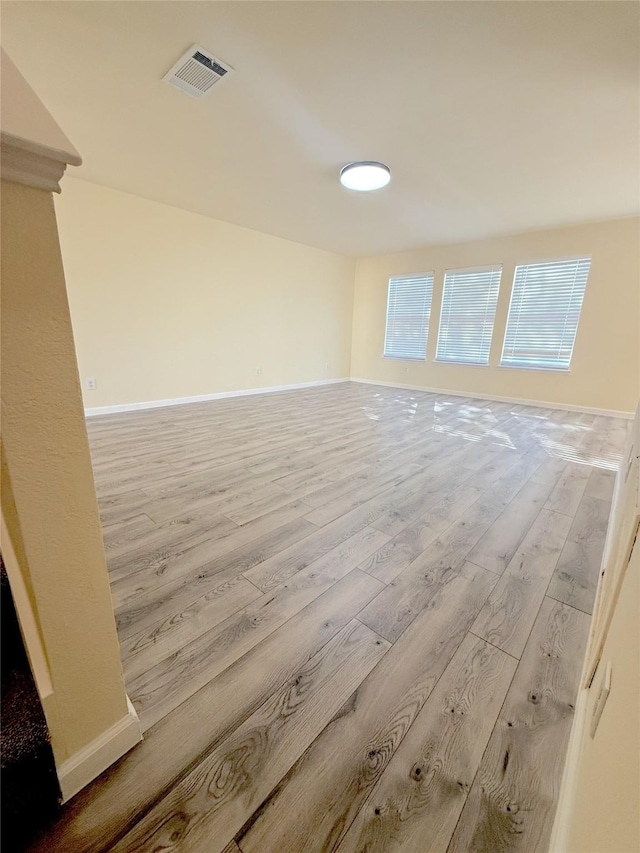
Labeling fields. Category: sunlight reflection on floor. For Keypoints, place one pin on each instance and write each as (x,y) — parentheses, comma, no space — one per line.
(572,436)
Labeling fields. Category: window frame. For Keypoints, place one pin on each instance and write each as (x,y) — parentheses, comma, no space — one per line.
(493,268)
(541,262)
(413,275)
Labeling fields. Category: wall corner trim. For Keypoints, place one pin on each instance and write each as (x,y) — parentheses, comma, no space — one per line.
(203,398)
(87,764)
(22,164)
(35,151)
(542,404)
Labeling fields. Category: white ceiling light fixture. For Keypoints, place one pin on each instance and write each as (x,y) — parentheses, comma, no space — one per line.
(365,175)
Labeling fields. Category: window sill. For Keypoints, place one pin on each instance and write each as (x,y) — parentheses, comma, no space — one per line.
(460,363)
(561,370)
(536,369)
(403,358)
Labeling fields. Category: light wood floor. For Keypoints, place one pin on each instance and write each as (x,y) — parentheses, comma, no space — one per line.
(352,619)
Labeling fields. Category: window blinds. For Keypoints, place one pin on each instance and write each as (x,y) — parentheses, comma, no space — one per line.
(544,312)
(466,319)
(408,313)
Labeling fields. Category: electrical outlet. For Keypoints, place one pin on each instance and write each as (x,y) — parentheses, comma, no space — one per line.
(406,370)
(326,365)
(91,384)
(258,371)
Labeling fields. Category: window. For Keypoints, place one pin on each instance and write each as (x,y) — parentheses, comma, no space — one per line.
(543,315)
(466,320)
(408,313)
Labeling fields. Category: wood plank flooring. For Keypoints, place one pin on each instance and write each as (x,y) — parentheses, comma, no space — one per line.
(352,618)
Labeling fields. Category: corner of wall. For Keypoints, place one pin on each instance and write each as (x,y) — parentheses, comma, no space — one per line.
(354,306)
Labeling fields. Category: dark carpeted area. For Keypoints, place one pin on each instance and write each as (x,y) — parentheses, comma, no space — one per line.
(30,792)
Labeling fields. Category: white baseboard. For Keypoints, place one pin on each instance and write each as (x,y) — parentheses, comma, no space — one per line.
(203,398)
(87,764)
(609,413)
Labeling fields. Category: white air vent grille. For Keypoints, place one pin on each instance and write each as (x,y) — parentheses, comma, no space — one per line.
(196,72)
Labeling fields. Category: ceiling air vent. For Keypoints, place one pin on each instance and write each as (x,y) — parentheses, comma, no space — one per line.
(197,71)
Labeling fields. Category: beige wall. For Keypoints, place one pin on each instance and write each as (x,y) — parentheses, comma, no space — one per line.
(167,303)
(606,815)
(599,806)
(49,502)
(605,371)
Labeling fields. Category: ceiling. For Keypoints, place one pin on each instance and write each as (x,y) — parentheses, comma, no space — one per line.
(495,117)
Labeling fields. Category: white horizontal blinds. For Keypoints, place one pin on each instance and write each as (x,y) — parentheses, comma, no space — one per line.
(544,312)
(408,313)
(469,302)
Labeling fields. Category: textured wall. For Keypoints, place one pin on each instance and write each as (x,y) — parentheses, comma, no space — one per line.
(52,516)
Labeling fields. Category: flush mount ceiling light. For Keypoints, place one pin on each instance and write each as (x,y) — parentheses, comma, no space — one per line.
(365,175)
